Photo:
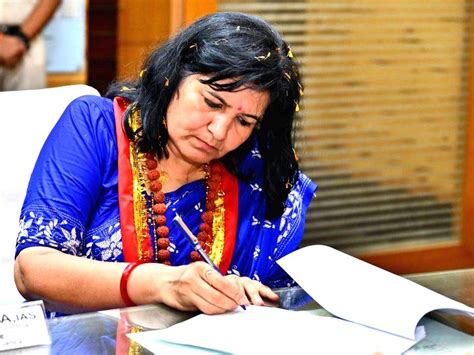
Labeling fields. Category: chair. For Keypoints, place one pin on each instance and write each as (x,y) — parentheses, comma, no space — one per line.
(27,118)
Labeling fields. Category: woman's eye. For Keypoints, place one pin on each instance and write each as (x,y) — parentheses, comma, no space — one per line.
(244,122)
(213,104)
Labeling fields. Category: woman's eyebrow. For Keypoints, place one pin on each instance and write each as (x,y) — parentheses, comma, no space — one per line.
(221,99)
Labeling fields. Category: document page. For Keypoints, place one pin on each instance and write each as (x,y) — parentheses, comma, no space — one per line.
(269,330)
(352,289)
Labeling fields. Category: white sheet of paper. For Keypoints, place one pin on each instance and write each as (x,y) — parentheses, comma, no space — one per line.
(360,292)
(273,330)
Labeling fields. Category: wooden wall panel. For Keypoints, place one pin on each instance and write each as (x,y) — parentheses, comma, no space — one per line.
(195,9)
(102,43)
(184,12)
(142,25)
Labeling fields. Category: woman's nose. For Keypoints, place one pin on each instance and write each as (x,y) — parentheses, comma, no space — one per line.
(219,126)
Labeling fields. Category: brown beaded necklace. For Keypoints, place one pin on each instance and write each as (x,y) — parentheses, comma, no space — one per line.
(212,177)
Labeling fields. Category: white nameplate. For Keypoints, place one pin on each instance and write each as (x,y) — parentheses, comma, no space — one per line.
(23,325)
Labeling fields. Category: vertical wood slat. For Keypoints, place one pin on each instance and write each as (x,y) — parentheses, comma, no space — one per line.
(195,9)
(467,227)
(176,16)
(184,12)
(102,43)
(142,25)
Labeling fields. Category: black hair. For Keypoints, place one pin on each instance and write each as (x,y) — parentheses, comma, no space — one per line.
(225,45)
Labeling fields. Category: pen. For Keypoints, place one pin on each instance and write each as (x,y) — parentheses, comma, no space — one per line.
(194,241)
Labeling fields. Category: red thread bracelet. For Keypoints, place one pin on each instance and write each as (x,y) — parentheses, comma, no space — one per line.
(124,282)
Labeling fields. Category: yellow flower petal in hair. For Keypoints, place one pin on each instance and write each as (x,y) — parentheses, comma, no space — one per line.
(290,53)
(142,72)
(296,155)
(125,88)
(263,57)
(297,107)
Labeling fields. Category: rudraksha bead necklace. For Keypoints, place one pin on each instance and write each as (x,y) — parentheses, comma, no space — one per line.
(212,178)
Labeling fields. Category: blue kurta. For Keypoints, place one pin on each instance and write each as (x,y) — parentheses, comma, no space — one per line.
(72,201)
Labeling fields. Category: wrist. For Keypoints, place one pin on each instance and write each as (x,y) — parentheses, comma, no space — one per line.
(148,283)
(169,289)
(16,31)
(124,282)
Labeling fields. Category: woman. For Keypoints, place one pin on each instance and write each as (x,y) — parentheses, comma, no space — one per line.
(205,132)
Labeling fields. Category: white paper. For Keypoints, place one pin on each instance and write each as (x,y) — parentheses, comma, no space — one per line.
(272,330)
(360,292)
(443,340)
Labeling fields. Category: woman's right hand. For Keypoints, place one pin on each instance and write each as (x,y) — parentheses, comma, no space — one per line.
(196,286)
(90,285)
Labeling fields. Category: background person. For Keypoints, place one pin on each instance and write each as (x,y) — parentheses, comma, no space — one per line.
(206,131)
(22,49)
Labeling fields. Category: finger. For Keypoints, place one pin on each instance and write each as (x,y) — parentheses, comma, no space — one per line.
(193,291)
(241,296)
(267,292)
(212,290)
(11,63)
(259,293)
(207,306)
(253,294)
(270,298)
(199,295)
(207,274)
(227,285)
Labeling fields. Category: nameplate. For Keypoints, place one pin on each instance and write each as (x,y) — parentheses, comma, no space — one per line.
(23,325)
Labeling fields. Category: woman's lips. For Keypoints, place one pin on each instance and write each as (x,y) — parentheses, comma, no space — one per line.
(206,145)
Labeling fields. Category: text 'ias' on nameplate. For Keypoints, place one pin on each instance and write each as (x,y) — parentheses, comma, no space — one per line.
(23,325)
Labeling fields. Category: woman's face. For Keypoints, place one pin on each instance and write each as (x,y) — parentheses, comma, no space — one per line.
(205,124)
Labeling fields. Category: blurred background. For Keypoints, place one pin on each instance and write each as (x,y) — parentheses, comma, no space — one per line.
(386,124)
